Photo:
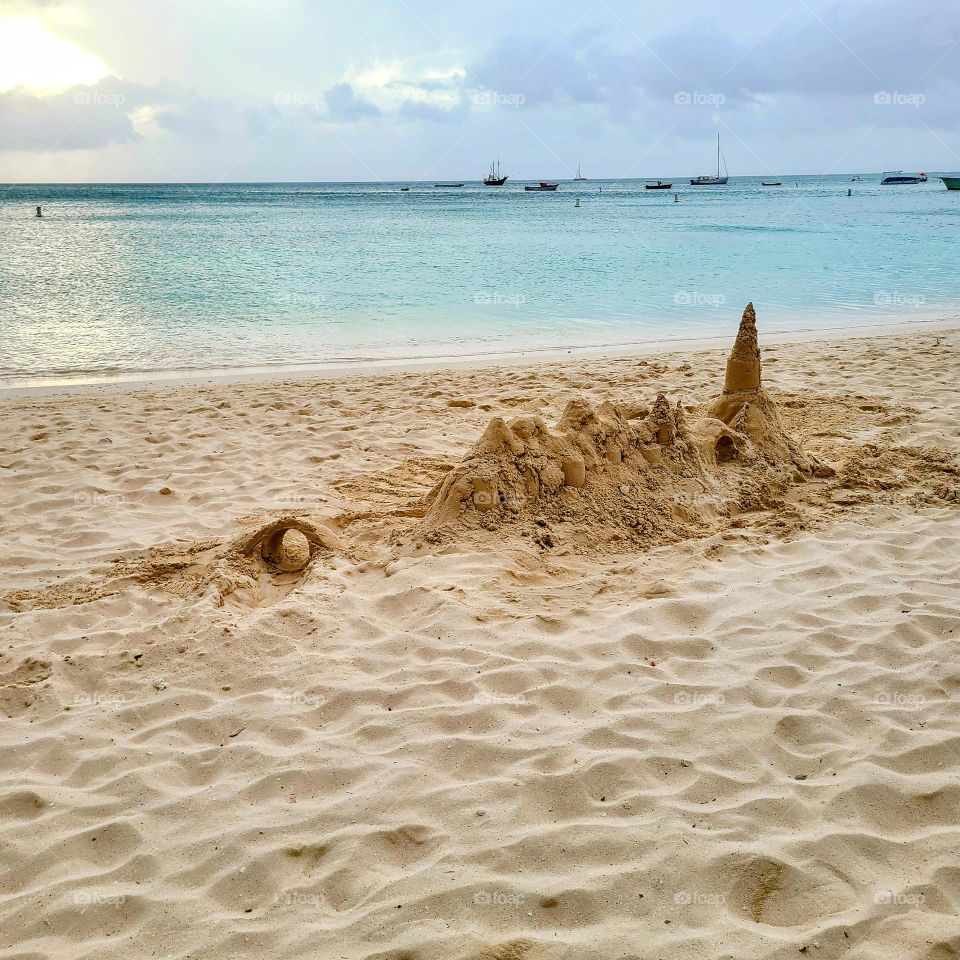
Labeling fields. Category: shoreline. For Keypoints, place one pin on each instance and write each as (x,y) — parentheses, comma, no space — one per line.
(337,369)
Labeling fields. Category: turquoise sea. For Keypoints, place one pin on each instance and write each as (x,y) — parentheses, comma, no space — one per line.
(120,280)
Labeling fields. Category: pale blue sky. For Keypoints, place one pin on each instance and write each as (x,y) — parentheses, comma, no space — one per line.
(418,89)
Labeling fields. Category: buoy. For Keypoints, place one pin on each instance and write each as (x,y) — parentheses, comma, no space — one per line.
(849,192)
(676,198)
(577,204)
(39,212)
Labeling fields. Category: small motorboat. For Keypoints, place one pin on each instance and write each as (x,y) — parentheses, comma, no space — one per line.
(897,177)
(771,183)
(952,183)
(658,185)
(856,179)
(404,189)
(448,184)
(542,185)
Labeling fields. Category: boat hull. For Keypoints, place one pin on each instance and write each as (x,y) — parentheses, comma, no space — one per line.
(495,181)
(951,183)
(708,182)
(658,186)
(547,189)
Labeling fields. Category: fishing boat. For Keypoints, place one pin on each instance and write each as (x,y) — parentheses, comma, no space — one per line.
(543,185)
(657,185)
(579,175)
(448,184)
(897,177)
(709,181)
(951,183)
(771,183)
(493,178)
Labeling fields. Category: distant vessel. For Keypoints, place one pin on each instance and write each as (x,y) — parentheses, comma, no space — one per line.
(856,179)
(658,185)
(543,185)
(579,175)
(448,184)
(771,183)
(404,189)
(951,183)
(898,177)
(493,178)
(717,181)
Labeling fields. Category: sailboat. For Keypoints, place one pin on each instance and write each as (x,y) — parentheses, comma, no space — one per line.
(579,175)
(717,181)
(493,178)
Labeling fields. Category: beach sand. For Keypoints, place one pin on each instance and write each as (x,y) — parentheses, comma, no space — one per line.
(701,710)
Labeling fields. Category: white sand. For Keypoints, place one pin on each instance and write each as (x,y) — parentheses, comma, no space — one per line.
(740,745)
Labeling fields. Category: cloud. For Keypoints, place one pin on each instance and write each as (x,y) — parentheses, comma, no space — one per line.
(344,105)
(204,118)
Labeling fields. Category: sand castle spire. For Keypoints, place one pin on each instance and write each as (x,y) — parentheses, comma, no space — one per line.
(743,365)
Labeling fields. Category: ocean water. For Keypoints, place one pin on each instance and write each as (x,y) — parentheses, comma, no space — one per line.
(122,280)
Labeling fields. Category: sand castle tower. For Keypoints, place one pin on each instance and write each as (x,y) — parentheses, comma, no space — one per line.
(746,407)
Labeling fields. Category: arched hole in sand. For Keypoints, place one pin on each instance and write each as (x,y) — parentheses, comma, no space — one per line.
(725,450)
(289,549)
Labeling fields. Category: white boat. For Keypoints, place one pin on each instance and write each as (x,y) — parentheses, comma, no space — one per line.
(579,175)
(717,181)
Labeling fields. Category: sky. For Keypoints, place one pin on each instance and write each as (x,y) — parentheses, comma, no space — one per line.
(316,90)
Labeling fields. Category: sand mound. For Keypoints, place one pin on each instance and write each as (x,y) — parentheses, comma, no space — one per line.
(654,479)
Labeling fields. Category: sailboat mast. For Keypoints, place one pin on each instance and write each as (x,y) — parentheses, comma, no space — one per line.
(718,156)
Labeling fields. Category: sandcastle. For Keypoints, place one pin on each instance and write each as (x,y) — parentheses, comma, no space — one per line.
(653,474)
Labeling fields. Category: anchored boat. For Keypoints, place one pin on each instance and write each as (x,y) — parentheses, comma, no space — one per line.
(543,185)
(657,185)
(717,181)
(897,177)
(951,183)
